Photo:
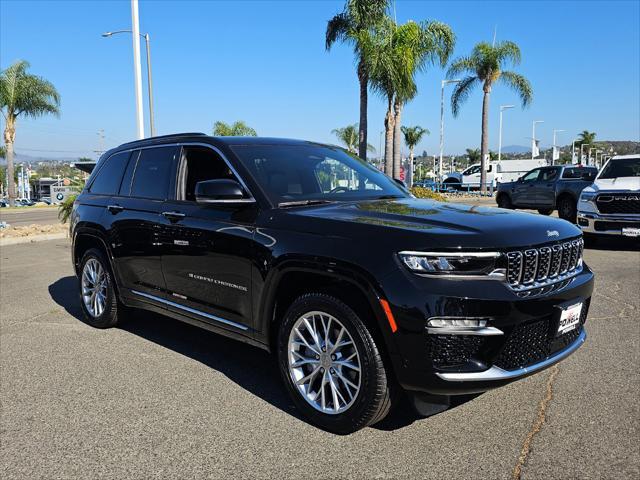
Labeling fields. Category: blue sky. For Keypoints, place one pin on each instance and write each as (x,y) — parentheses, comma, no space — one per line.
(264,62)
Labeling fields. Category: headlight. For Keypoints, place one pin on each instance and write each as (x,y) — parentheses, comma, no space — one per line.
(587,196)
(453,263)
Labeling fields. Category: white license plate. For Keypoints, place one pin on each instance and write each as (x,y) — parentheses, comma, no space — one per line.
(569,318)
(631,232)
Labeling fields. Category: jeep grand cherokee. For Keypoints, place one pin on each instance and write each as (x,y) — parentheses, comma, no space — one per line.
(360,290)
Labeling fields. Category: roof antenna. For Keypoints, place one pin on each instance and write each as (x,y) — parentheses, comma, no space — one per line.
(495,31)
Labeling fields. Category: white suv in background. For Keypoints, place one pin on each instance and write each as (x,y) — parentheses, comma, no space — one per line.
(611,206)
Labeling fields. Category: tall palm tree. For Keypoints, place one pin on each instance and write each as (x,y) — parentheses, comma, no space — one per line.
(349,137)
(22,93)
(586,137)
(412,136)
(236,129)
(473,154)
(357,17)
(394,54)
(485,66)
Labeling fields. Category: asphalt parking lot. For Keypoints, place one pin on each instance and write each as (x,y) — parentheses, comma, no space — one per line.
(161,399)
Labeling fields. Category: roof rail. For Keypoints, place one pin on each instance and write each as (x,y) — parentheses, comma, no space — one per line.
(171,135)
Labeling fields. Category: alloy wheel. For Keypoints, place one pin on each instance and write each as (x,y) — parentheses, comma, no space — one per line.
(323,362)
(94,287)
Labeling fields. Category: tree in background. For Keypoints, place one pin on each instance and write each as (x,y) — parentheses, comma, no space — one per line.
(412,136)
(349,137)
(23,94)
(586,137)
(236,129)
(473,154)
(358,16)
(394,54)
(485,66)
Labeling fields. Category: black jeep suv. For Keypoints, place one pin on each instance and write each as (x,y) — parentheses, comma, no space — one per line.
(361,290)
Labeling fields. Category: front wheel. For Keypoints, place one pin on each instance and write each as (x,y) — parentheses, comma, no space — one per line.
(545,211)
(331,365)
(504,201)
(567,209)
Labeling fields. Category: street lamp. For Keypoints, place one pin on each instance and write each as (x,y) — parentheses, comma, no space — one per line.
(573,150)
(533,139)
(147,39)
(589,159)
(581,152)
(502,108)
(443,83)
(553,152)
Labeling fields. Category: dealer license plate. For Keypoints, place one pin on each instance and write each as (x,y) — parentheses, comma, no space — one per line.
(631,232)
(569,318)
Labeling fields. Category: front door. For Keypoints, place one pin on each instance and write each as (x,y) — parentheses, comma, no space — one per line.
(523,190)
(208,247)
(544,190)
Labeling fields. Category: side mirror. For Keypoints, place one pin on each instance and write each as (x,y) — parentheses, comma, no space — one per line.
(520,180)
(220,191)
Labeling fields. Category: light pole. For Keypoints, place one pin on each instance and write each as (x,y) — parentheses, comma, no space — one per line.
(590,150)
(502,108)
(581,152)
(442,84)
(573,150)
(553,152)
(533,140)
(147,39)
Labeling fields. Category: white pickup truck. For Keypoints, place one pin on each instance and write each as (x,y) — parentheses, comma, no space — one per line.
(611,205)
(497,172)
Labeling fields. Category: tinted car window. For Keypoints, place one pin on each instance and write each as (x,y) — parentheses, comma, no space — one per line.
(125,186)
(153,172)
(549,174)
(532,176)
(107,181)
(621,167)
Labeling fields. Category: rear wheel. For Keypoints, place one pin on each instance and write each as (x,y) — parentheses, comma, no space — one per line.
(567,209)
(99,301)
(545,211)
(504,201)
(331,365)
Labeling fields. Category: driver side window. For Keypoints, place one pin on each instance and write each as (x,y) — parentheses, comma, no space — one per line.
(200,164)
(532,176)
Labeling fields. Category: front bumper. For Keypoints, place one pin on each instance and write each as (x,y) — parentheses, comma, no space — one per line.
(451,364)
(591,222)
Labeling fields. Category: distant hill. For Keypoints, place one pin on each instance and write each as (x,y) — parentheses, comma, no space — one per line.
(515,149)
(22,158)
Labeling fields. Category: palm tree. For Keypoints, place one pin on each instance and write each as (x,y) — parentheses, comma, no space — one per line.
(412,136)
(485,66)
(586,137)
(473,154)
(24,94)
(237,129)
(357,17)
(349,137)
(394,54)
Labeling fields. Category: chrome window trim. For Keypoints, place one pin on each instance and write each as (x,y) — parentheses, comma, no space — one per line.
(496,373)
(191,310)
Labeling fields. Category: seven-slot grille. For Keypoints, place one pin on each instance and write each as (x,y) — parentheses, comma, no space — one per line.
(620,203)
(543,264)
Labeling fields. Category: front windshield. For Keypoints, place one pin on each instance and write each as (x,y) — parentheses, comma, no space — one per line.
(292,173)
(622,167)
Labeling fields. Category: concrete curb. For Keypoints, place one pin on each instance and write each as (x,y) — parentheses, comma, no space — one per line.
(32,238)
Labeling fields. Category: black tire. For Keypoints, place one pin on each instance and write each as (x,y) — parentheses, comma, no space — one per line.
(545,211)
(373,401)
(113,311)
(504,201)
(567,209)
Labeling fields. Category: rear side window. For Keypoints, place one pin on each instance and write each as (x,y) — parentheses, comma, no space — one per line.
(152,173)
(108,178)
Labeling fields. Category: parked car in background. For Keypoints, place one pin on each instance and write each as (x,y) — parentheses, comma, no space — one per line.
(3,203)
(611,205)
(547,189)
(359,289)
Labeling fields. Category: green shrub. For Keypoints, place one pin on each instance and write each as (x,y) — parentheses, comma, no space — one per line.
(421,192)
(65,208)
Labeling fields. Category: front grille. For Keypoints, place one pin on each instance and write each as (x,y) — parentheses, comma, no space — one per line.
(602,226)
(543,264)
(533,342)
(453,350)
(618,203)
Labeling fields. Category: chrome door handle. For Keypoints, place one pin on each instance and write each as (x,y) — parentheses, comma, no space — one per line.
(173,215)
(115,208)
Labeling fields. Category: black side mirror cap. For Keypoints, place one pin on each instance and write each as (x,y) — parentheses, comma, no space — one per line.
(220,191)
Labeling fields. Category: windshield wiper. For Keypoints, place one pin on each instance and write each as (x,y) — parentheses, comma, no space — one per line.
(298,203)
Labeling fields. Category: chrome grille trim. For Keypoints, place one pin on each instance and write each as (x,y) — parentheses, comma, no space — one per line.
(542,266)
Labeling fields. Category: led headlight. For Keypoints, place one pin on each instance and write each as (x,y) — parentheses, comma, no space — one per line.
(452,263)
(587,196)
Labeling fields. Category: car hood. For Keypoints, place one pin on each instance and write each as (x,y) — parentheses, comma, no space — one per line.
(423,224)
(620,183)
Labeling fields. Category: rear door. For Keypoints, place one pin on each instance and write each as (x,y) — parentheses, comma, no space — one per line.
(209,247)
(545,187)
(136,223)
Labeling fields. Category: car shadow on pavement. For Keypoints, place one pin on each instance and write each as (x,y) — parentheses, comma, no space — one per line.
(253,369)
(613,243)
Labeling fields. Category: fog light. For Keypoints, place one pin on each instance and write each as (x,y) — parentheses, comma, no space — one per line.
(463,322)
